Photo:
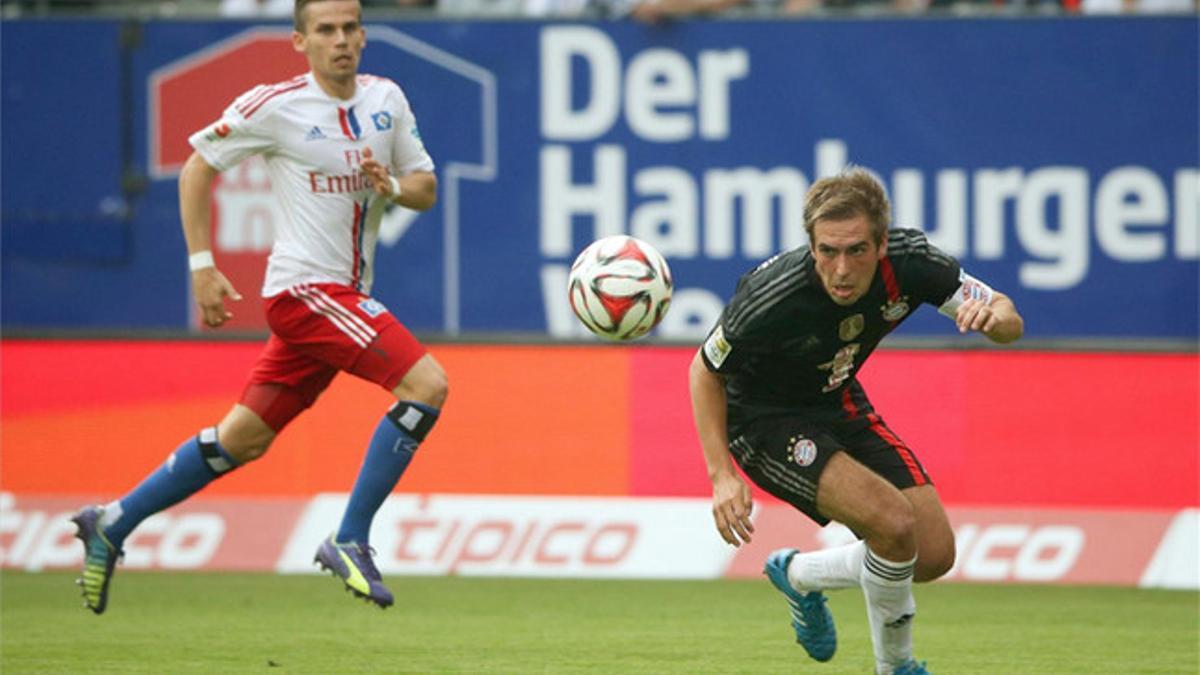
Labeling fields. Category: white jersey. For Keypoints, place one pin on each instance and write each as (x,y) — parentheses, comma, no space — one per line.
(313,145)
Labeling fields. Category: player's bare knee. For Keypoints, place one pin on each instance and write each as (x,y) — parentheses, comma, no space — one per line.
(437,389)
(894,528)
(431,390)
(934,565)
(425,383)
(901,517)
(243,451)
(244,439)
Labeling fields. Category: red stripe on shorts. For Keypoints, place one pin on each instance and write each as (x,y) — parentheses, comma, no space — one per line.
(343,319)
(346,313)
(901,449)
(848,404)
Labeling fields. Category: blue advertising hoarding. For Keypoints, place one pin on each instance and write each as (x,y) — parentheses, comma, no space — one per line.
(1061,174)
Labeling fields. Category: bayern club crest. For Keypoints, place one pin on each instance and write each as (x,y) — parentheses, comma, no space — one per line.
(802,450)
(895,310)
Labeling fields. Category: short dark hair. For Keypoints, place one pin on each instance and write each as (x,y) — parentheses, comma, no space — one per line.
(298,18)
(853,192)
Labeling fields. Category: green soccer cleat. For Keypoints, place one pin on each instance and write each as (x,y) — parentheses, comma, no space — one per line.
(811,619)
(100,558)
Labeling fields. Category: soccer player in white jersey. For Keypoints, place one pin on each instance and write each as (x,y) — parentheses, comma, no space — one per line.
(339,147)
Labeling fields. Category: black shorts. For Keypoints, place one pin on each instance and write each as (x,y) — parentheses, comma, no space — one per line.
(785,455)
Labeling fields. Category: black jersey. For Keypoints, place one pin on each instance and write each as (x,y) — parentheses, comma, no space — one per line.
(785,346)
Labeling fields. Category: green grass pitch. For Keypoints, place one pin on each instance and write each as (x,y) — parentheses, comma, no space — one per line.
(264,623)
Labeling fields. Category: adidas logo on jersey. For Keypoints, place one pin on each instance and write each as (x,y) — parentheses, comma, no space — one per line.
(315,134)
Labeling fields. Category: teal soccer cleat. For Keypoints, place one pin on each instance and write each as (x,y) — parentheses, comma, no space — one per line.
(911,667)
(100,558)
(811,619)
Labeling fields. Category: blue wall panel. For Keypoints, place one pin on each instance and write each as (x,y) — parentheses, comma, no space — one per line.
(1058,158)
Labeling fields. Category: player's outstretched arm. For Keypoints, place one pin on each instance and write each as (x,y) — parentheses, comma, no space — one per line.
(998,319)
(209,286)
(731,496)
(416,191)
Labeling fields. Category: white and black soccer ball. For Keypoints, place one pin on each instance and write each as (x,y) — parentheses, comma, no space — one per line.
(620,287)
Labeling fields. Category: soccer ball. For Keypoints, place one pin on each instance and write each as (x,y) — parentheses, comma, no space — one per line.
(620,287)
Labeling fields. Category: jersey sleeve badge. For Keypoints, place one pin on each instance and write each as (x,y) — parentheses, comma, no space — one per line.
(217,131)
(969,288)
(717,348)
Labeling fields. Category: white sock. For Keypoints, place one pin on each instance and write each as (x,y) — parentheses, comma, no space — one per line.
(112,513)
(828,569)
(887,586)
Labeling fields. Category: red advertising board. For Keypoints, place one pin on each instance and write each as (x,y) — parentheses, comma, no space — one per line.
(582,461)
(994,428)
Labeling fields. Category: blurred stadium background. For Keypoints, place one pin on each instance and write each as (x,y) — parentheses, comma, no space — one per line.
(1055,153)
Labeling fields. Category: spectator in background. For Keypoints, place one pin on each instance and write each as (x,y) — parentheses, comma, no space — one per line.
(249,8)
(559,8)
(43,6)
(399,4)
(654,11)
(518,8)
(874,7)
(1137,6)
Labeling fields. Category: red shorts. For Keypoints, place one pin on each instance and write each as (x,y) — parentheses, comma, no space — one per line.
(317,330)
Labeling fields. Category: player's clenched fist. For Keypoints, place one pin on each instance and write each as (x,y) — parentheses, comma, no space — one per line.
(384,184)
(211,288)
(974,315)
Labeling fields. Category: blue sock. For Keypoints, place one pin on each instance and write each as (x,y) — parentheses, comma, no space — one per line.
(197,462)
(396,439)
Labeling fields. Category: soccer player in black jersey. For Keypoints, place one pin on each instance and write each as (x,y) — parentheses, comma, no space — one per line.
(773,389)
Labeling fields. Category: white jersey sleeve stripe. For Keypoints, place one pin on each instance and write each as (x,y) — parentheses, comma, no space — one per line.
(283,90)
(254,97)
(249,97)
(258,93)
